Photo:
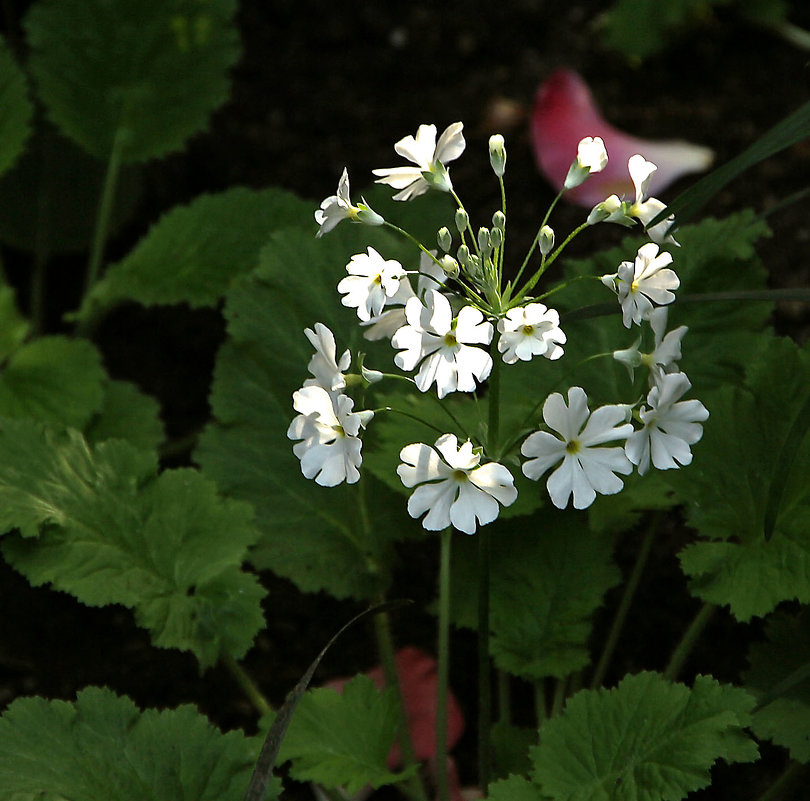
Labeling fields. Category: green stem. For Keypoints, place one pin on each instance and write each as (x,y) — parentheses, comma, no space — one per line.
(690,637)
(540,706)
(537,237)
(504,697)
(559,697)
(484,679)
(785,782)
(104,212)
(443,669)
(385,646)
(624,605)
(247,684)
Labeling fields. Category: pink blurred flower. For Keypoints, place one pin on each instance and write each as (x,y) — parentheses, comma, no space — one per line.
(565,112)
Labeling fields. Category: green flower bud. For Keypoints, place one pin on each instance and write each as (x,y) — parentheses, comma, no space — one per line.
(497,154)
(496,237)
(499,220)
(449,265)
(463,255)
(462,220)
(483,239)
(444,238)
(546,239)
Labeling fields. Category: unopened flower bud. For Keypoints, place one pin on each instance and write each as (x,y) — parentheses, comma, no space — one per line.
(366,416)
(366,215)
(483,239)
(591,158)
(449,265)
(462,220)
(497,154)
(610,210)
(496,237)
(546,239)
(463,255)
(499,220)
(444,238)
(372,376)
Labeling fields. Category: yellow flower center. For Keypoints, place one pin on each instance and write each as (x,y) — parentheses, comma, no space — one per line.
(528,330)
(450,340)
(573,446)
(460,476)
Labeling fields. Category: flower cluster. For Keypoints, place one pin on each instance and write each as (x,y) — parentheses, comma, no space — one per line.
(454,320)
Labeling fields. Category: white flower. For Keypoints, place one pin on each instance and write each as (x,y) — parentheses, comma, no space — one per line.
(339,207)
(323,365)
(386,324)
(670,426)
(585,469)
(329,449)
(443,345)
(591,157)
(430,158)
(646,208)
(640,285)
(532,330)
(371,282)
(454,488)
(666,351)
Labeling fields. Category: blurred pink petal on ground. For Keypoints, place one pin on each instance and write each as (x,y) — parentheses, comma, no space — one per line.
(565,112)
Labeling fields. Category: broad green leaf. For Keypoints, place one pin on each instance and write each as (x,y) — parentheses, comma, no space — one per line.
(127,413)
(646,739)
(749,490)
(16,109)
(50,197)
(343,739)
(338,538)
(100,524)
(194,253)
(547,579)
(640,28)
(15,327)
(142,77)
(102,746)
(793,128)
(54,380)
(515,788)
(780,678)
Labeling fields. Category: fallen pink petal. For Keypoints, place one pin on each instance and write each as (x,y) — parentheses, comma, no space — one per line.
(565,112)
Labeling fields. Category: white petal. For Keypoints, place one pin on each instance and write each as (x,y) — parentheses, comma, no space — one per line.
(451,143)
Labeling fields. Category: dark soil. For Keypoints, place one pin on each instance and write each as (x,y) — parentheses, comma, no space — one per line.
(327,85)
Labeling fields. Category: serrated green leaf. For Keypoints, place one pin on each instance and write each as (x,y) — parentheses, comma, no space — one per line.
(645,739)
(343,739)
(126,413)
(16,109)
(55,380)
(100,524)
(546,582)
(50,196)
(148,74)
(780,671)
(102,746)
(750,476)
(194,253)
(338,538)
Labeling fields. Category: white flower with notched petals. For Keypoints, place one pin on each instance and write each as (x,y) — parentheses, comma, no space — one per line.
(453,487)
(645,208)
(444,346)
(371,282)
(329,448)
(642,283)
(430,158)
(386,324)
(328,371)
(528,331)
(339,207)
(591,157)
(586,468)
(670,426)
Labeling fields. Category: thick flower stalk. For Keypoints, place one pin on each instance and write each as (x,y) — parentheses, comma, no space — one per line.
(452,486)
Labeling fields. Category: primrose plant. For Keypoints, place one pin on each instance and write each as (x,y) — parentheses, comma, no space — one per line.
(460,316)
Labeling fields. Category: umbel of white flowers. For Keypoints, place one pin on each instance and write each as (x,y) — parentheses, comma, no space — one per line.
(450,319)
